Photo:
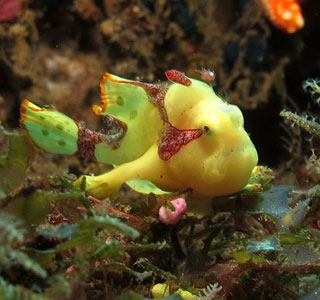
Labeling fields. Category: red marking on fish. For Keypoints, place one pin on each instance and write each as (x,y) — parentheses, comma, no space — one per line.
(87,141)
(178,77)
(173,139)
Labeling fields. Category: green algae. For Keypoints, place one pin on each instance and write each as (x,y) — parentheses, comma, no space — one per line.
(15,156)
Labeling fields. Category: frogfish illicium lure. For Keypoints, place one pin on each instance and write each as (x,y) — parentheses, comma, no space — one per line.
(171,136)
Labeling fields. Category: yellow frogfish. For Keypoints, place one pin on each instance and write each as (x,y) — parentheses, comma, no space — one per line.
(170,136)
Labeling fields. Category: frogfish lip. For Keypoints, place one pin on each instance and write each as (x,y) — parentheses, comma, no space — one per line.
(241,163)
(232,167)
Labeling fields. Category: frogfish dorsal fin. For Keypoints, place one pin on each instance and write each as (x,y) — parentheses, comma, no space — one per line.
(121,98)
(131,122)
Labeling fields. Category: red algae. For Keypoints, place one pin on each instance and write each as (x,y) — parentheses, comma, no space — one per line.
(10,9)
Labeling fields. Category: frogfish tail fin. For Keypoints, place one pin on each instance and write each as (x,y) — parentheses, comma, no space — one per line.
(49,129)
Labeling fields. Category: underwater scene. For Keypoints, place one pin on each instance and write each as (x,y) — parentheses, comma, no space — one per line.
(165,149)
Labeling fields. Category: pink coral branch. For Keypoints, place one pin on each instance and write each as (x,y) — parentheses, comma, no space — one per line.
(170,217)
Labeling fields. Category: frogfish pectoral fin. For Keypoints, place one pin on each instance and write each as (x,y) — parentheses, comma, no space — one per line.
(50,130)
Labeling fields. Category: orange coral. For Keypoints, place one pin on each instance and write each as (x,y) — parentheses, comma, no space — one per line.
(284,14)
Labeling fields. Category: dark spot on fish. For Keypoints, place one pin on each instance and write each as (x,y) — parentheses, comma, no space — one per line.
(61,143)
(105,185)
(113,131)
(45,132)
(120,100)
(133,114)
(60,127)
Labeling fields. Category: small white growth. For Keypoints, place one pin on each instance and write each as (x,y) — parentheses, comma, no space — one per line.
(210,292)
(312,86)
(287,15)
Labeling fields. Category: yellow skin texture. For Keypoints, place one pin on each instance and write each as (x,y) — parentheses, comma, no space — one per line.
(161,290)
(217,163)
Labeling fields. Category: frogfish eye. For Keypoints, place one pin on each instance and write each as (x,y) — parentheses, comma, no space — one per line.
(206,129)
